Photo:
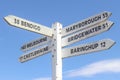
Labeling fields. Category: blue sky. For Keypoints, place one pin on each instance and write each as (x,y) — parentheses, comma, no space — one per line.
(103,65)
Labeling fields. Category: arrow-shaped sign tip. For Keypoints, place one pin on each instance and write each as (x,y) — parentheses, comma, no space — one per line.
(109,13)
(110,24)
(110,43)
(8,19)
(5,18)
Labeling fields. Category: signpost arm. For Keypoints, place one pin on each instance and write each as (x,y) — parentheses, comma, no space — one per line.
(56,52)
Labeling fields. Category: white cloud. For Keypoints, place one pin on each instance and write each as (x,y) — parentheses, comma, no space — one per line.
(105,66)
(44,78)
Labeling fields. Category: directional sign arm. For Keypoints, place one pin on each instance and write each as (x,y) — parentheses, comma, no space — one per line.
(87,48)
(86,33)
(36,43)
(28,25)
(35,53)
(93,20)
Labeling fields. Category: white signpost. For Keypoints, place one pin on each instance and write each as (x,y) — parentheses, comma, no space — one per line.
(56,52)
(56,38)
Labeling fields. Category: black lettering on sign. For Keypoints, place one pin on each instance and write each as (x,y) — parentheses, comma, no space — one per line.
(30,25)
(84,33)
(27,56)
(84,48)
(68,29)
(103,44)
(85,23)
(105,15)
(36,52)
(105,25)
(46,49)
(16,21)
(37,42)
(29,45)
(33,54)
(22,23)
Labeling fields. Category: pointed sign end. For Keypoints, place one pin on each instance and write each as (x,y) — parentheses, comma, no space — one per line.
(110,24)
(5,18)
(111,43)
(109,13)
(8,19)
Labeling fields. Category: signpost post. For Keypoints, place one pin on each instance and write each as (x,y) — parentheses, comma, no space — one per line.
(57,38)
(56,52)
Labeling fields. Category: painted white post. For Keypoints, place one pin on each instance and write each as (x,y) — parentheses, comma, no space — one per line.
(56,52)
